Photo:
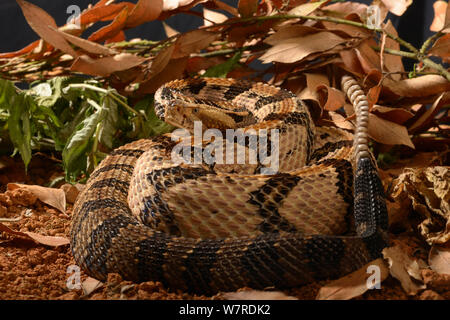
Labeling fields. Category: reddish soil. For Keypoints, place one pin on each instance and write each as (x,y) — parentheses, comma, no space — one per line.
(29,270)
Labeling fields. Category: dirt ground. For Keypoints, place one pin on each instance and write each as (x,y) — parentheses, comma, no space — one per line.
(30,270)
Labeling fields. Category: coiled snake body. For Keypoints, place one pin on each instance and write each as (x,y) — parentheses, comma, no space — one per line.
(207,227)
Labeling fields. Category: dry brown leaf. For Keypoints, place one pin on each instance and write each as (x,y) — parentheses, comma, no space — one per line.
(353,284)
(173,70)
(352,31)
(247,8)
(225,7)
(428,115)
(144,11)
(169,5)
(403,268)
(335,98)
(397,115)
(294,84)
(101,3)
(441,47)
(447,20)
(367,57)
(438,283)
(213,17)
(242,34)
(340,121)
(256,295)
(295,49)
(170,32)
(191,42)
(373,95)
(197,64)
(388,132)
(313,80)
(86,45)
(307,8)
(39,21)
(347,7)
(428,190)
(161,60)
(71,191)
(119,37)
(441,21)
(46,240)
(351,61)
(20,52)
(105,66)
(112,29)
(290,32)
(418,87)
(439,259)
(440,177)
(241,72)
(90,285)
(103,13)
(397,7)
(51,196)
(71,28)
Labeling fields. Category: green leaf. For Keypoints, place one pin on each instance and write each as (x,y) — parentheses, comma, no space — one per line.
(46,94)
(152,125)
(7,93)
(75,151)
(43,90)
(109,124)
(221,70)
(19,126)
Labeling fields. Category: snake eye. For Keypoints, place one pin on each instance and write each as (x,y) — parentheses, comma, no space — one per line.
(195,110)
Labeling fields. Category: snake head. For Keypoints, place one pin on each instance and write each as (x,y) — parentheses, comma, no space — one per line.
(184,114)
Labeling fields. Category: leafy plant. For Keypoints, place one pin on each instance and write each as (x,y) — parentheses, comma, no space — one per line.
(75,116)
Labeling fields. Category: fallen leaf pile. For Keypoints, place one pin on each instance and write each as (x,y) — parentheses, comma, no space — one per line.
(24,197)
(427,191)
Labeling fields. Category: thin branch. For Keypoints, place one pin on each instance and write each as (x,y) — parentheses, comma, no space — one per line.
(400,53)
(436,66)
(429,41)
(105,92)
(417,56)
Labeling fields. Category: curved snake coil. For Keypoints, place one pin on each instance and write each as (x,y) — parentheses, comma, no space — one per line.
(206,227)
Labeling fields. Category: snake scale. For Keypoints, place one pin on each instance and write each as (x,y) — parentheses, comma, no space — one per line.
(208,227)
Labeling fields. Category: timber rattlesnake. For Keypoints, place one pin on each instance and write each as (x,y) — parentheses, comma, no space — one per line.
(208,227)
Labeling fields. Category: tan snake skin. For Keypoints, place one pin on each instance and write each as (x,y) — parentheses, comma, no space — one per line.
(209,227)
